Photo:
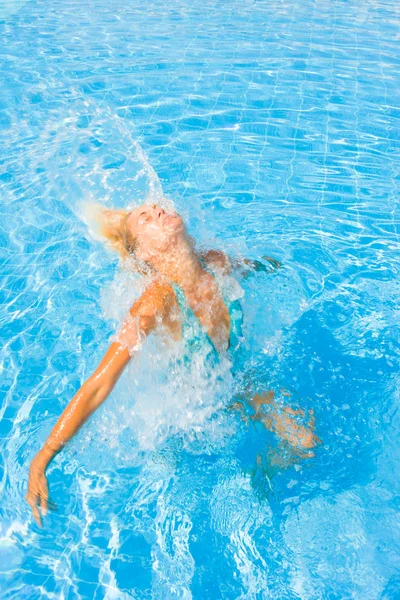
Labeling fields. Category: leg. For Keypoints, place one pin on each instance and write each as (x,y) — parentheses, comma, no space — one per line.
(283,420)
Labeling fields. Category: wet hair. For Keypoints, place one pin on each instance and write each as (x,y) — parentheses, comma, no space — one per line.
(128,240)
(113,228)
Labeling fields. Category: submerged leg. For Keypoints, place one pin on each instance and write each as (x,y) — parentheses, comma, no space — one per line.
(283,420)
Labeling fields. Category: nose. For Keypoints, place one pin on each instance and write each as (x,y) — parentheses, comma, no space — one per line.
(158,211)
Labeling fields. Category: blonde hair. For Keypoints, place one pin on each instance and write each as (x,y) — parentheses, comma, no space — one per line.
(126,237)
(113,227)
(110,225)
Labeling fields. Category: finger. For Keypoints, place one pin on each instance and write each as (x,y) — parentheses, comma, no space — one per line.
(36,516)
(273,262)
(44,502)
(32,499)
(35,512)
(311,422)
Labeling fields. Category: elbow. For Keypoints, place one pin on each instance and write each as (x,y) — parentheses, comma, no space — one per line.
(103,392)
(99,392)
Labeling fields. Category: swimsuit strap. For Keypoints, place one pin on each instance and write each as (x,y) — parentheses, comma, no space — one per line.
(235,314)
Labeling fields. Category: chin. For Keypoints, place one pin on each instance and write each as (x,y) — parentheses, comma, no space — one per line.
(176,224)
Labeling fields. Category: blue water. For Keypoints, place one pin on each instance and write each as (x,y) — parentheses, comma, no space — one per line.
(274,129)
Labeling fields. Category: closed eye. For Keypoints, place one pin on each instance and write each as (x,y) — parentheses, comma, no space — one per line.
(144,217)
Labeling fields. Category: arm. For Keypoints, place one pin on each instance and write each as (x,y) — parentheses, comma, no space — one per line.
(95,390)
(217,258)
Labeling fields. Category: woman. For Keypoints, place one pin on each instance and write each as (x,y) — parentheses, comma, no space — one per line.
(178,277)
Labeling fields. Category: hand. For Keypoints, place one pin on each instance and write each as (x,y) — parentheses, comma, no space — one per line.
(271,265)
(273,262)
(38,491)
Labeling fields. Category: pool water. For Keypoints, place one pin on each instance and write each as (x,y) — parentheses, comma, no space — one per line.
(273,127)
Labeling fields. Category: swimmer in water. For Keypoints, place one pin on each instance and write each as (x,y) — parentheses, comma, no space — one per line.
(159,242)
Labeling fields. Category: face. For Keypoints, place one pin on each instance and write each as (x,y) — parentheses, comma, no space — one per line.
(155,230)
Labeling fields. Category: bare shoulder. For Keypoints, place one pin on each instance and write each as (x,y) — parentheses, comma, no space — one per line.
(217,259)
(157,300)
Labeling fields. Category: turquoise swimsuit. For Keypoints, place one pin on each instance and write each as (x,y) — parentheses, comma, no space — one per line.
(193,333)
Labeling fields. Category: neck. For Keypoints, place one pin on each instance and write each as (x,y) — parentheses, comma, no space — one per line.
(183,267)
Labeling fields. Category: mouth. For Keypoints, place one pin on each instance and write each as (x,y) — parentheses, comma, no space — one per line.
(170,217)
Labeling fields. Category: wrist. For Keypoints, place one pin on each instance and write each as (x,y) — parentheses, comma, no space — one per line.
(41,460)
(44,456)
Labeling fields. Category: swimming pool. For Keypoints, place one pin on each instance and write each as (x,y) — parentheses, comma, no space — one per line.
(273,126)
